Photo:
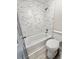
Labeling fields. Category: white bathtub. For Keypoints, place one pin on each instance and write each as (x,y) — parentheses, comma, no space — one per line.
(35,42)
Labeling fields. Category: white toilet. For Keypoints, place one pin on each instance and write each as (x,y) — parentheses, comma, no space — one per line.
(52,45)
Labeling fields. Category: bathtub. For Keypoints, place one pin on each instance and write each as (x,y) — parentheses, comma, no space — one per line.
(35,42)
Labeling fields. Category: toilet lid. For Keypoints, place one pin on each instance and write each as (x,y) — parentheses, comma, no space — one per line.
(52,43)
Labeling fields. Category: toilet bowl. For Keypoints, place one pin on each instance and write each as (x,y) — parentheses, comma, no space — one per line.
(52,46)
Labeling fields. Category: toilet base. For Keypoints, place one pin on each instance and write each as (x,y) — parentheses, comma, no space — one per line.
(51,55)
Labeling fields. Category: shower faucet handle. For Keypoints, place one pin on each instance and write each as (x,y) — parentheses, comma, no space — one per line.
(24,37)
(46,9)
(46,31)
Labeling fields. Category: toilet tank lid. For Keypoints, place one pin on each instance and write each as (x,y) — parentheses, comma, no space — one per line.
(52,43)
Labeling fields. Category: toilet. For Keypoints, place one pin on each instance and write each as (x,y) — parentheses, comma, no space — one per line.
(52,46)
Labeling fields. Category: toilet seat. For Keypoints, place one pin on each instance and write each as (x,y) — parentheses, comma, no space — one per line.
(52,43)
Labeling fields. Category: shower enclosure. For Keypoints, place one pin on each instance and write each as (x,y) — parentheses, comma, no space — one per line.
(35,18)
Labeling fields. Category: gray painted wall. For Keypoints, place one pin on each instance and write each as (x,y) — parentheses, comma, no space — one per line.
(58,16)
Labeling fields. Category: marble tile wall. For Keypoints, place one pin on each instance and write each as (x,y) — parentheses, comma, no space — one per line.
(33,17)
